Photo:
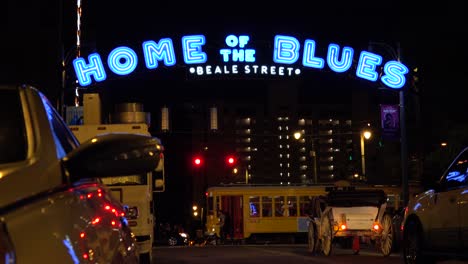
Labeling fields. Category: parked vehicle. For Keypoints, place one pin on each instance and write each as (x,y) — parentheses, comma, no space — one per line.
(435,224)
(53,205)
(168,235)
(134,191)
(346,214)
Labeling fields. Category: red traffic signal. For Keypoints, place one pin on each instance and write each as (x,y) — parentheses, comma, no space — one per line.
(230,160)
(197,161)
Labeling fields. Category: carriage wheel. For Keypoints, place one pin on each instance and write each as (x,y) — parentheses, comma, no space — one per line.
(326,235)
(311,238)
(386,238)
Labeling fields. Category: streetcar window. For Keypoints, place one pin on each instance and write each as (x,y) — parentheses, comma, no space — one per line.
(254,202)
(279,201)
(291,206)
(304,202)
(267,206)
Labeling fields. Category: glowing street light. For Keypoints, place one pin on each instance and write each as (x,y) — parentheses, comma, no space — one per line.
(365,135)
(297,136)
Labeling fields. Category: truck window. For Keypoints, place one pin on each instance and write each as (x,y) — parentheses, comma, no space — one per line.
(139,179)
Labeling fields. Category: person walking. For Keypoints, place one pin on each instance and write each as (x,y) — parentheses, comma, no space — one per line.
(222,226)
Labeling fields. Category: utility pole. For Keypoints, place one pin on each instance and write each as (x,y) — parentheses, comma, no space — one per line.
(396,54)
(404,144)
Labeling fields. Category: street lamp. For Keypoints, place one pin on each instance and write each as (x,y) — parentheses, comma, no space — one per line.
(297,136)
(365,135)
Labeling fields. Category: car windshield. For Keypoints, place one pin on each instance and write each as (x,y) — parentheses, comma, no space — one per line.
(13,146)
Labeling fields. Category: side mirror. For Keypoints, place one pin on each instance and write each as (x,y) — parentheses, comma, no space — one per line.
(114,154)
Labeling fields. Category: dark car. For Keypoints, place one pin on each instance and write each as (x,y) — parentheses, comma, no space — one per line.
(53,205)
(166,235)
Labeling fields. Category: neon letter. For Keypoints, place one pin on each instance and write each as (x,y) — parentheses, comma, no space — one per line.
(192,49)
(243,40)
(238,55)
(84,71)
(155,52)
(286,49)
(346,58)
(125,54)
(309,59)
(231,41)
(394,72)
(225,53)
(250,55)
(366,66)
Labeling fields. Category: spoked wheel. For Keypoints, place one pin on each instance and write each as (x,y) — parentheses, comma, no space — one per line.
(172,241)
(386,239)
(326,235)
(311,238)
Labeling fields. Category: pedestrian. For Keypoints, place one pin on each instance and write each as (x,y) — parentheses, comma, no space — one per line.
(222,226)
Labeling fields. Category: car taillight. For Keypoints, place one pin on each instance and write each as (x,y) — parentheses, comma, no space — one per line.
(7,252)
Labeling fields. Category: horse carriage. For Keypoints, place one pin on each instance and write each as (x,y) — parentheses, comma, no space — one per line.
(346,215)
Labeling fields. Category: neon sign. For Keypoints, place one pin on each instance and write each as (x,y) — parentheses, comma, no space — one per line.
(238,57)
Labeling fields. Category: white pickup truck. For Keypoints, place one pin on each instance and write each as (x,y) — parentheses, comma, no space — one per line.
(346,214)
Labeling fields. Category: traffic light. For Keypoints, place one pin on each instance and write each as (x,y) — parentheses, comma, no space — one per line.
(197,161)
(231,160)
